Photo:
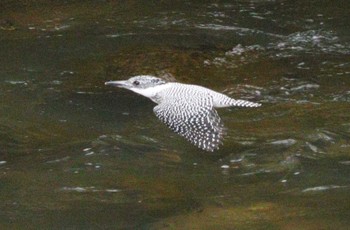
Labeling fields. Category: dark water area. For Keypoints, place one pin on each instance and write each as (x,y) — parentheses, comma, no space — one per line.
(75,154)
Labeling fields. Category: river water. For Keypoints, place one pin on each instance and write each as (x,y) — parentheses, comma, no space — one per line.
(75,154)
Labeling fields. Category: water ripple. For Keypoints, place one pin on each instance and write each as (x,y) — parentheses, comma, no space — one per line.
(324,188)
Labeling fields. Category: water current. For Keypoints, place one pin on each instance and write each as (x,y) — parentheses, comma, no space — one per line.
(75,154)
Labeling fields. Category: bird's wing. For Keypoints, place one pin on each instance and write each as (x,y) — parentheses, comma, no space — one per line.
(197,121)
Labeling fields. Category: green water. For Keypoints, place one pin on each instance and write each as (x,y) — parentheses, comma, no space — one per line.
(75,154)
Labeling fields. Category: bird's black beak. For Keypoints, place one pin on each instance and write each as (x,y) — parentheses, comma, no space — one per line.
(117,83)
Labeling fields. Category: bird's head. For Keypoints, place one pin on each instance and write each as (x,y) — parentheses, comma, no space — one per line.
(145,85)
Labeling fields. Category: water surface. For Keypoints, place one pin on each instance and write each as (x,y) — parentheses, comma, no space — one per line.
(76,154)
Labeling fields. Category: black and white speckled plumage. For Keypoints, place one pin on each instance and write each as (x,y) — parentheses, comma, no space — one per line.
(188,110)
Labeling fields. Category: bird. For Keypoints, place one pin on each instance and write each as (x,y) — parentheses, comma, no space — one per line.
(188,110)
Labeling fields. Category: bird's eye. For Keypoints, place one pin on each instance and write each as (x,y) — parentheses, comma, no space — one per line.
(136,82)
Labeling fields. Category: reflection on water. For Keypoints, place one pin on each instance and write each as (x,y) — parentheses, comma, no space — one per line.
(75,154)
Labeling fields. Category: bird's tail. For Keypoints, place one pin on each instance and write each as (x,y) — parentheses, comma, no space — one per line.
(243,103)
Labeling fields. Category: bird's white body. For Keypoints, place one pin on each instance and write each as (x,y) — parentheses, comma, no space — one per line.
(184,91)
